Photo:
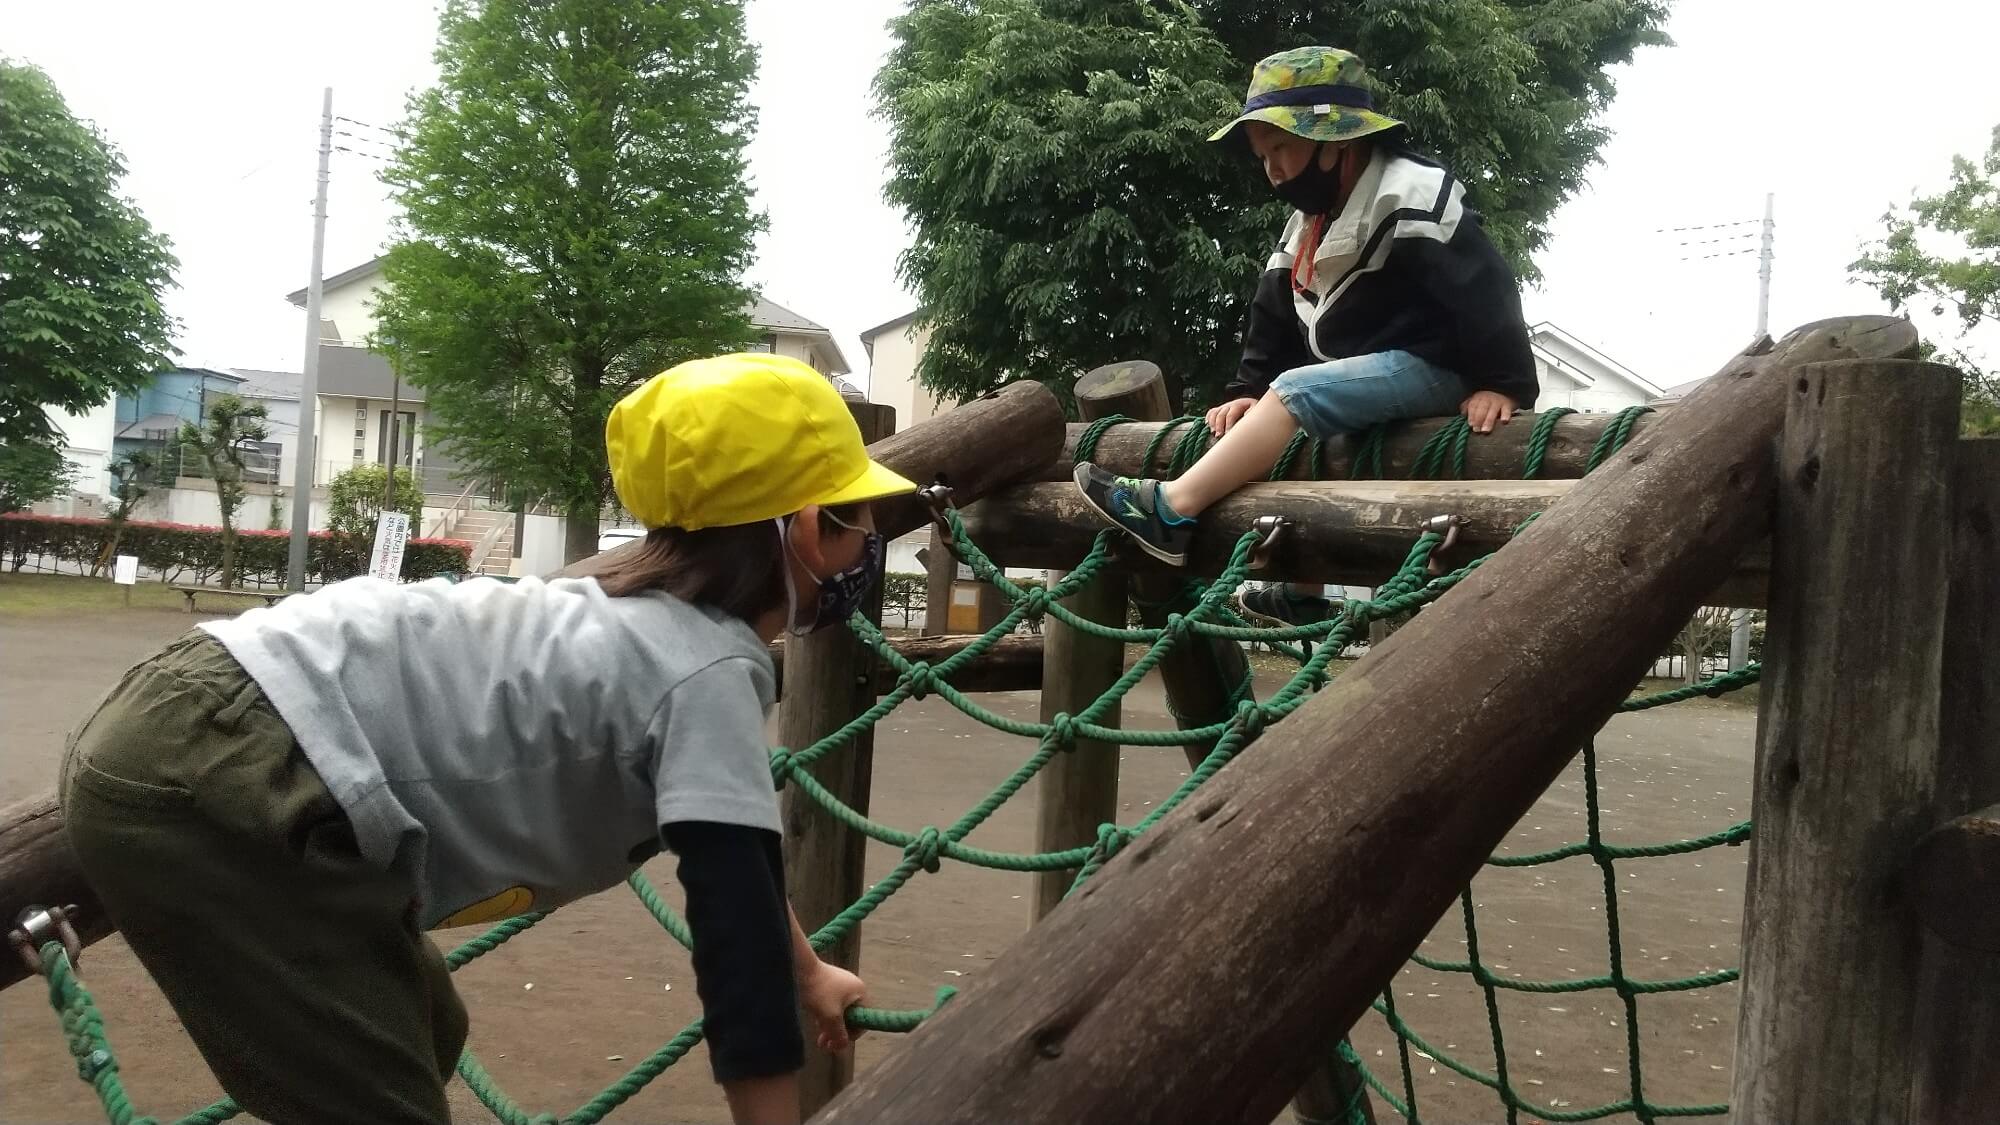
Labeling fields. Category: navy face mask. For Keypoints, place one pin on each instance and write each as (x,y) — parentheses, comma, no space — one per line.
(1315,190)
(839,595)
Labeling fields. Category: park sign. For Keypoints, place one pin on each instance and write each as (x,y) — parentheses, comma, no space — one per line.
(392,533)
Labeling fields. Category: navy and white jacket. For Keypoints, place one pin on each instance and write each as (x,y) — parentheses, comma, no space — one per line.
(1404,266)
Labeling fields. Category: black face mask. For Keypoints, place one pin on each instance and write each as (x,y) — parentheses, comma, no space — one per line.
(1315,190)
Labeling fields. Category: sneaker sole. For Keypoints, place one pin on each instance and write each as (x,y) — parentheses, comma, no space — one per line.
(1243,608)
(1160,553)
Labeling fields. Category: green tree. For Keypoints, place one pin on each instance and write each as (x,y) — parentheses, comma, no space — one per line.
(81,271)
(133,476)
(1067,208)
(31,471)
(1941,254)
(575,220)
(354,500)
(219,442)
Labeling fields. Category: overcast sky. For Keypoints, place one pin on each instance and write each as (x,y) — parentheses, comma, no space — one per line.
(1836,109)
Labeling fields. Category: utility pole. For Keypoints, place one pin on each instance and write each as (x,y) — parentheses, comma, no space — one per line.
(306,461)
(1739,632)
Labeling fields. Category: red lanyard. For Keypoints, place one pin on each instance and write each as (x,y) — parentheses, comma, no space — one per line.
(1315,230)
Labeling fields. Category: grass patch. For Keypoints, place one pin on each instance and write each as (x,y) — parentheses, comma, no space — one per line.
(48,594)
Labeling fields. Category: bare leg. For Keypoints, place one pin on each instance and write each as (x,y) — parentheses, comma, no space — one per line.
(1244,454)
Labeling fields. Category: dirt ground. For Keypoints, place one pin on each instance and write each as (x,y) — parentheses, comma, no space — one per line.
(608,987)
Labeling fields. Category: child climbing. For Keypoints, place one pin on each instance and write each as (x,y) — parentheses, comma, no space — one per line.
(1385,300)
(277,807)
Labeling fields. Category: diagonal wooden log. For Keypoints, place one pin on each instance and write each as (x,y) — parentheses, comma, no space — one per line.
(1500,455)
(1355,532)
(1200,975)
(1007,436)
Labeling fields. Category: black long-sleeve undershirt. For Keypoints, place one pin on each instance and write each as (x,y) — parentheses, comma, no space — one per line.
(734,877)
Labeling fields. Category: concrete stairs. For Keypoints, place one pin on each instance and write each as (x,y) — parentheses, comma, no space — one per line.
(474,525)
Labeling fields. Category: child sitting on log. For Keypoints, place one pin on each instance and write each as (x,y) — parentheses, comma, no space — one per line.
(1384,301)
(274,810)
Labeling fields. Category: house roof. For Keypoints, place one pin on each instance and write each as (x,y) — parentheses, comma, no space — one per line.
(372,265)
(868,337)
(269,384)
(1615,368)
(770,314)
(1680,390)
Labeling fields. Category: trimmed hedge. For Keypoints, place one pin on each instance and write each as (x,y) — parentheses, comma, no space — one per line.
(172,550)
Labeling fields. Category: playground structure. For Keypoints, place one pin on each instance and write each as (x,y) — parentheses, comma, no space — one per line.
(1871,976)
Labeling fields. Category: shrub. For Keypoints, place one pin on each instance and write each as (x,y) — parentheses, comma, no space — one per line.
(174,550)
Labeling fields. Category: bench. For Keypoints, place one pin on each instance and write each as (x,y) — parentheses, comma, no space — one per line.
(189,592)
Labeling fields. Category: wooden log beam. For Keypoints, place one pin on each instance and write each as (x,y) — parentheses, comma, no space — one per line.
(1496,456)
(37,869)
(1012,664)
(1078,790)
(1199,978)
(1958,1017)
(1354,532)
(1847,743)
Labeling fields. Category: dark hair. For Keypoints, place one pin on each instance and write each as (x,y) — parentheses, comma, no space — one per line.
(738,569)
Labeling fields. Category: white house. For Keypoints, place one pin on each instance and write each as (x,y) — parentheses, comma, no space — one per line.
(893,348)
(1576,375)
(87,440)
(358,391)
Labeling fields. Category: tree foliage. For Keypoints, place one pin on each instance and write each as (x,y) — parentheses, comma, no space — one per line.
(575,220)
(1068,211)
(81,271)
(218,441)
(1941,255)
(31,471)
(354,500)
(133,476)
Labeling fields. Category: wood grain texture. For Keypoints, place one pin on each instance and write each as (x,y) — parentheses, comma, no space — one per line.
(1349,532)
(1078,790)
(1198,978)
(1958,1014)
(1847,743)
(38,869)
(1496,456)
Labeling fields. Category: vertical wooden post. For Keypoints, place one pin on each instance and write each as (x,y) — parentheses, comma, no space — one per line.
(828,681)
(940,568)
(1201,675)
(1079,789)
(1847,745)
(1958,999)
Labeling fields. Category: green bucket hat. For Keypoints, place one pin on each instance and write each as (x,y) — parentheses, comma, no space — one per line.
(1314,92)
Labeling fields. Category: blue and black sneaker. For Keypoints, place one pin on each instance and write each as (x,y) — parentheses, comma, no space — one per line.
(1132,506)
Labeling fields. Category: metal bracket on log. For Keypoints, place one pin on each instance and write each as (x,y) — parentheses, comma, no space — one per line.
(37,926)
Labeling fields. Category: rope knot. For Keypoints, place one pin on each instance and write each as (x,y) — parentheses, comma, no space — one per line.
(1036,601)
(1062,731)
(922,680)
(1111,839)
(1250,718)
(781,767)
(927,849)
(1178,625)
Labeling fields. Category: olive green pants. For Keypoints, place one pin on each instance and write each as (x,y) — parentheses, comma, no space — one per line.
(296,966)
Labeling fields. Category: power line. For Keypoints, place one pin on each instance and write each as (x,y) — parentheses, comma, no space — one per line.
(1707,226)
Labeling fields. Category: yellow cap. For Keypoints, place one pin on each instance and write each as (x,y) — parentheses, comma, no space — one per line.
(737,439)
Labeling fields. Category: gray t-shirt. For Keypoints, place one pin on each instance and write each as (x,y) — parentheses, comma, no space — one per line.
(514,747)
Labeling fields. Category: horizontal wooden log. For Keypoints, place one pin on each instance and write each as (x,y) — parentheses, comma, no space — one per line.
(1500,455)
(1012,664)
(37,869)
(1954,881)
(1351,532)
(1200,976)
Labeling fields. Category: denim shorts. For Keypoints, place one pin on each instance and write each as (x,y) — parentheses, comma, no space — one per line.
(1347,396)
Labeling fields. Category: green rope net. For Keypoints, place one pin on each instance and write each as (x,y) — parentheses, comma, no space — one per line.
(1201,612)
